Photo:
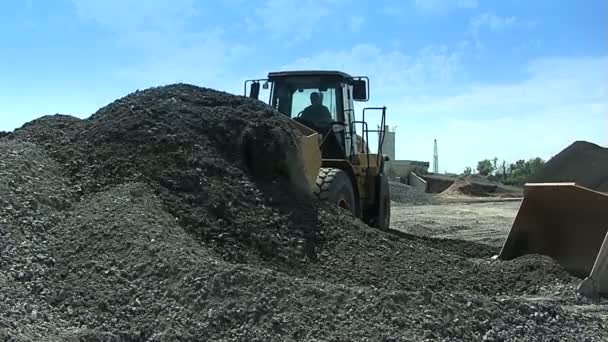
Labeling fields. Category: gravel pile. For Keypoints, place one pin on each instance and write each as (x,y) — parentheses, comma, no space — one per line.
(405,194)
(199,149)
(150,222)
(479,186)
(34,198)
(464,186)
(582,162)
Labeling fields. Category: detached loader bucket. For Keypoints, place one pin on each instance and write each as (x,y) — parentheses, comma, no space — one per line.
(566,222)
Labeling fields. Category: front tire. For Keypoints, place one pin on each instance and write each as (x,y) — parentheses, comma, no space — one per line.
(383,216)
(335,187)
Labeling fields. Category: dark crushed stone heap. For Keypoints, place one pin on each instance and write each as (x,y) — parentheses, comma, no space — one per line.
(123,270)
(405,194)
(581,162)
(100,251)
(187,143)
(398,261)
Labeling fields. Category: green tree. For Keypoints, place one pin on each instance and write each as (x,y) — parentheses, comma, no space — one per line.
(535,165)
(522,169)
(485,167)
(502,171)
(467,171)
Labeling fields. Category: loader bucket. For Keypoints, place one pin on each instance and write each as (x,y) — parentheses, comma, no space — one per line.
(309,159)
(566,222)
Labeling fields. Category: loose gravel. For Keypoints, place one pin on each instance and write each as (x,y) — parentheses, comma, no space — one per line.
(153,220)
(405,194)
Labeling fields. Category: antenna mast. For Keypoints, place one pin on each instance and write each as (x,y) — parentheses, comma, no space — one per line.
(435,159)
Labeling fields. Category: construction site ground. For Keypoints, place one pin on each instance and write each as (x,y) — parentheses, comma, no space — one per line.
(474,219)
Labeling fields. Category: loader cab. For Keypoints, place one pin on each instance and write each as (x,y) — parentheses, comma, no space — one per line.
(347,172)
(292,92)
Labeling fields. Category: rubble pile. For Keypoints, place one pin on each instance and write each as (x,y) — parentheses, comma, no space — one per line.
(200,150)
(405,194)
(480,186)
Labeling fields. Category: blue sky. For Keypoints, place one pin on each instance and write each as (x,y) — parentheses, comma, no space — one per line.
(511,78)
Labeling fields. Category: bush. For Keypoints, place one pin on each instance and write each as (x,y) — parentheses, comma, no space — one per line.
(485,167)
(514,174)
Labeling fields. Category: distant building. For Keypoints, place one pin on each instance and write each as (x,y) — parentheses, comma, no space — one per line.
(388,147)
(400,168)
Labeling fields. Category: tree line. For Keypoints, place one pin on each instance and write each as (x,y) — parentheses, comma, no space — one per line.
(507,173)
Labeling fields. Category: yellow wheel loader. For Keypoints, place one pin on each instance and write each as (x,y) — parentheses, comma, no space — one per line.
(334,151)
(569,223)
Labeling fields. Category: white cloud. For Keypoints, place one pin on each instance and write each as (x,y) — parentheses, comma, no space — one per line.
(443,6)
(551,81)
(393,71)
(297,19)
(204,58)
(163,50)
(498,23)
(294,21)
(129,15)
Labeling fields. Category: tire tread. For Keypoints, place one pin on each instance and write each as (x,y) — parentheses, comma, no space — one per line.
(324,180)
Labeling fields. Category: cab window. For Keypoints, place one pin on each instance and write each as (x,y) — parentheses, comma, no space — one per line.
(301,100)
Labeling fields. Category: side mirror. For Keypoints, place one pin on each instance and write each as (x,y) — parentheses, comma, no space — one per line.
(360,90)
(254,92)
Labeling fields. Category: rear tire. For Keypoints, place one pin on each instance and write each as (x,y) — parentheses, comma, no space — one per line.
(335,187)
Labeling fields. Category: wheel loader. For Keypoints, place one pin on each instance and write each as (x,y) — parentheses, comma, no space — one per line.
(569,223)
(334,152)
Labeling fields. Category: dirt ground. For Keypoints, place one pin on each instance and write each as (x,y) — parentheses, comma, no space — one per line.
(480,221)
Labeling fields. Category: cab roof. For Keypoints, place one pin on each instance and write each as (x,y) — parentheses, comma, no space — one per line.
(295,73)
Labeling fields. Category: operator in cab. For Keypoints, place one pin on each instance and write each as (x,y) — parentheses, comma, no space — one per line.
(317,113)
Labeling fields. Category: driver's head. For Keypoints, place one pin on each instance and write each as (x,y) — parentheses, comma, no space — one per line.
(315,98)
